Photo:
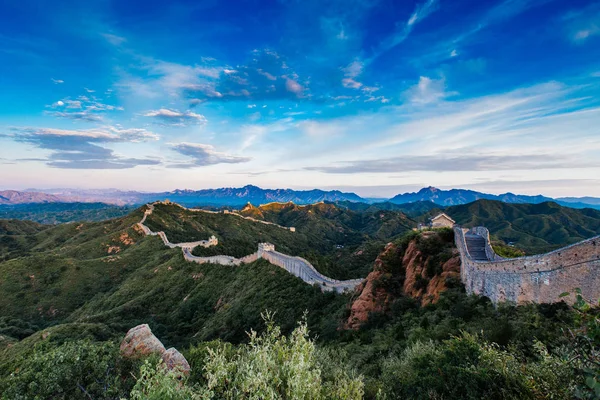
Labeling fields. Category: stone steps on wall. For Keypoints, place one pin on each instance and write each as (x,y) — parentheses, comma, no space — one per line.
(476,247)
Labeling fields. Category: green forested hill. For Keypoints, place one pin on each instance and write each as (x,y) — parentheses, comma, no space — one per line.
(108,273)
(58,213)
(340,243)
(536,228)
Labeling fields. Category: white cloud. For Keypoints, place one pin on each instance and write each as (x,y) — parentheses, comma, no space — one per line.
(317,129)
(403,31)
(57,81)
(454,53)
(204,155)
(113,39)
(176,118)
(427,91)
(422,11)
(293,87)
(584,23)
(351,72)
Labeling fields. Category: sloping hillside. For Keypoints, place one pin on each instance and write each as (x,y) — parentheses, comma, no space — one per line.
(58,213)
(110,275)
(341,244)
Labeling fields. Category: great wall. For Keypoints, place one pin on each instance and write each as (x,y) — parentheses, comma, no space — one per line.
(294,265)
(537,279)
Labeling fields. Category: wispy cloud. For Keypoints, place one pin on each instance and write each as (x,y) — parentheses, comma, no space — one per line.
(57,81)
(582,24)
(427,91)
(421,11)
(466,162)
(266,76)
(115,40)
(84,108)
(176,118)
(204,155)
(82,149)
(351,72)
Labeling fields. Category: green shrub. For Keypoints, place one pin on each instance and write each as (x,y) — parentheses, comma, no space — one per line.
(466,367)
(73,370)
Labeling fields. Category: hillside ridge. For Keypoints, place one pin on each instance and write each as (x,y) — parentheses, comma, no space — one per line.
(295,265)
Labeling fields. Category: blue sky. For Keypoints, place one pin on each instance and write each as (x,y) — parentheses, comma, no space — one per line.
(377,97)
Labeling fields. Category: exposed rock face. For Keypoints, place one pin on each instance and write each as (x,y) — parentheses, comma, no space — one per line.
(386,283)
(140,342)
(418,284)
(372,299)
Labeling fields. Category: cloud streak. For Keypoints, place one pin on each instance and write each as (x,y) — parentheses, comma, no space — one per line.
(455,163)
(177,118)
(82,149)
(204,155)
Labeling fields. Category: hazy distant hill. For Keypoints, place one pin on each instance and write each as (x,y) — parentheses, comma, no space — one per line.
(238,197)
(57,213)
(208,197)
(462,196)
(255,195)
(17,197)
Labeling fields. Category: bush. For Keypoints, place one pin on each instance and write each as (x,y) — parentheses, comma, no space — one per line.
(271,366)
(74,370)
(466,367)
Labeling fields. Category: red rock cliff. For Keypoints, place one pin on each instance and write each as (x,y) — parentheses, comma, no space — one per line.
(425,255)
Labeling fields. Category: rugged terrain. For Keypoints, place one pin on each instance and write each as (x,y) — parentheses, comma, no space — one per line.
(72,291)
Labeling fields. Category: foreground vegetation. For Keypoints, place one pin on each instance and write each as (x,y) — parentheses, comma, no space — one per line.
(538,354)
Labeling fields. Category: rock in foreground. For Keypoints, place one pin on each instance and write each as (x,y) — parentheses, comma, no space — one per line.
(140,342)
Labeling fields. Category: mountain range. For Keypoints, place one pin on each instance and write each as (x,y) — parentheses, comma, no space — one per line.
(237,197)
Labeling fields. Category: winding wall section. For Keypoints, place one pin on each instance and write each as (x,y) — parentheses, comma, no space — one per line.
(294,265)
(538,279)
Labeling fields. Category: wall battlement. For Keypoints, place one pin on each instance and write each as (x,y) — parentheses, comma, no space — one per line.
(538,279)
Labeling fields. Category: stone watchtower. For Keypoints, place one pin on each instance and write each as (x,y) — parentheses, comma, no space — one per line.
(265,247)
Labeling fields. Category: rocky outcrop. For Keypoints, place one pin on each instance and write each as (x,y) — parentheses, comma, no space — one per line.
(140,342)
(418,284)
(373,298)
(422,270)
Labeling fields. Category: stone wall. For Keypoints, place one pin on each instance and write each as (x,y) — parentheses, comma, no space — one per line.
(538,279)
(295,265)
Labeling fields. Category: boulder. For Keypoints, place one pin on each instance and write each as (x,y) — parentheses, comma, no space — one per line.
(140,342)
(174,360)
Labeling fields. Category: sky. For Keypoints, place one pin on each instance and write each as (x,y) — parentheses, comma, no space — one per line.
(376,97)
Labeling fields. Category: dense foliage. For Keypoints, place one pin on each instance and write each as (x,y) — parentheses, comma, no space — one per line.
(271,366)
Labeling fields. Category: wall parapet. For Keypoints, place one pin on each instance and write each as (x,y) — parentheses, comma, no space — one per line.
(539,278)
